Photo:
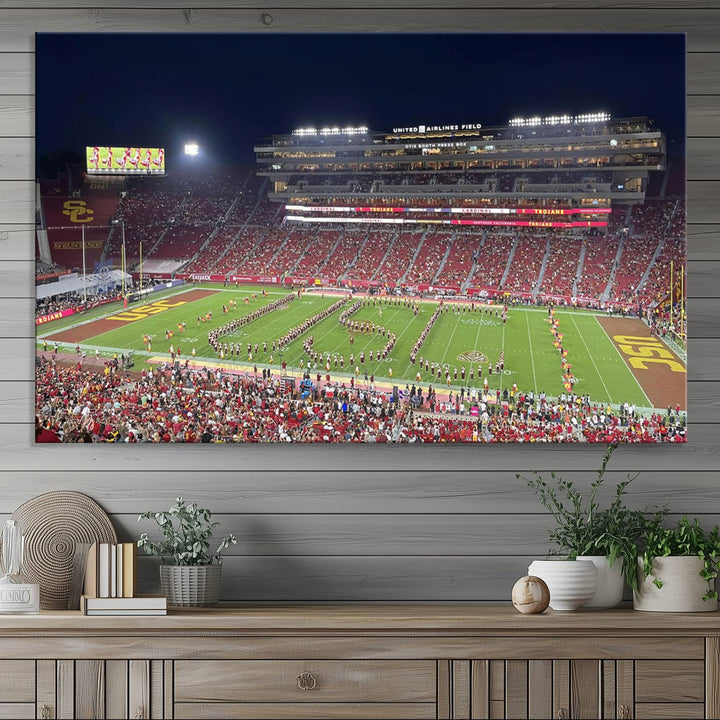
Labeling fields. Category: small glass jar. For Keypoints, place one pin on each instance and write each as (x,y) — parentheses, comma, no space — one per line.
(17,595)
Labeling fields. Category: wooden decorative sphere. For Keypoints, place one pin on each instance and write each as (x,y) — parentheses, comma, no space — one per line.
(530,594)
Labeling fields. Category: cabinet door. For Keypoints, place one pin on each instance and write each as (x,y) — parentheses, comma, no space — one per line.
(84,689)
(587,688)
(17,688)
(527,689)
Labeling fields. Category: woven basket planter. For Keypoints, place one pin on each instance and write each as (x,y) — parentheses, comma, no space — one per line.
(190,585)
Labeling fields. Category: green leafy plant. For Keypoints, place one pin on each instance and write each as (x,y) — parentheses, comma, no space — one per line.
(686,538)
(187,531)
(582,527)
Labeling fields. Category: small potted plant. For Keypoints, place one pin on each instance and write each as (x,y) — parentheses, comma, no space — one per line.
(190,574)
(583,530)
(677,568)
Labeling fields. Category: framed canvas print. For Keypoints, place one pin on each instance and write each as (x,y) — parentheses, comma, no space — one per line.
(361,238)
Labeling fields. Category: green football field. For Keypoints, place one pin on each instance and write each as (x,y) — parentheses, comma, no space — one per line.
(458,338)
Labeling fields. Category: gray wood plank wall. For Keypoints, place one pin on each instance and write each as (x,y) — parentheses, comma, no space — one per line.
(357,523)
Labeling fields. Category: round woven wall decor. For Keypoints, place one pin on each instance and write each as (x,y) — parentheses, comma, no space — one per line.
(52,524)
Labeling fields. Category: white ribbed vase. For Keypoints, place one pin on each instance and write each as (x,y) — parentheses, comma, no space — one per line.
(571,582)
(610,582)
(682,589)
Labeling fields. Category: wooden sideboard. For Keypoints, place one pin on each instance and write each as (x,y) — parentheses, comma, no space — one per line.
(361,662)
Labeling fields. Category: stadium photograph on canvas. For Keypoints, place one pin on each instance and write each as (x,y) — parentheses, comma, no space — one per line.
(361,238)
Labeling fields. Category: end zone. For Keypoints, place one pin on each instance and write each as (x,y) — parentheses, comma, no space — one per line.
(661,373)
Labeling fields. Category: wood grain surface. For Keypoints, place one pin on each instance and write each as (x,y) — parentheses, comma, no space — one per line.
(348,523)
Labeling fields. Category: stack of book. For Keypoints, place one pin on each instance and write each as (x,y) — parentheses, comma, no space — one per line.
(111,583)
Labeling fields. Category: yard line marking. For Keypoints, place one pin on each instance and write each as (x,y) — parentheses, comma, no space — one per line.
(502,349)
(624,363)
(452,335)
(592,359)
(532,357)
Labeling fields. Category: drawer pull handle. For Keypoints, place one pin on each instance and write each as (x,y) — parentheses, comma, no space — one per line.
(45,712)
(624,713)
(306,681)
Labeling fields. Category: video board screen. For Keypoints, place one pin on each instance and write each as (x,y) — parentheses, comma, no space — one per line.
(125,160)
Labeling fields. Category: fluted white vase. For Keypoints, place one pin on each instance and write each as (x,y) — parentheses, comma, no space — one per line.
(610,582)
(571,582)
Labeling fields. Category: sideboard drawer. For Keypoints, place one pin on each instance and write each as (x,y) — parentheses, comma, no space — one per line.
(300,681)
(671,681)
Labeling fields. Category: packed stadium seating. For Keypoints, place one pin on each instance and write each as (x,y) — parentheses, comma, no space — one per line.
(492,260)
(242,230)
(208,259)
(258,262)
(637,253)
(319,252)
(526,263)
(430,258)
(460,259)
(179,243)
(600,255)
(376,247)
(398,261)
(243,244)
(346,252)
(562,265)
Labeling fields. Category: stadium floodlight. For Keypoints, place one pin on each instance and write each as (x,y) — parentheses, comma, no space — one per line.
(192,148)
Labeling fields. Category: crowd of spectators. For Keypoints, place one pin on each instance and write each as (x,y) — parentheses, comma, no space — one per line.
(177,404)
(46,306)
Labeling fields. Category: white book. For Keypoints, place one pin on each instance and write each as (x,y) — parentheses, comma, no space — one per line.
(113,571)
(104,570)
(139,602)
(125,612)
(119,570)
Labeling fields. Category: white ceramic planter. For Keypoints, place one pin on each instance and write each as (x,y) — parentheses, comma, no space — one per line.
(610,582)
(571,582)
(191,585)
(682,589)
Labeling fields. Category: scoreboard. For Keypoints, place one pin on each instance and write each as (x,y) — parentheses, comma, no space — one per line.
(125,160)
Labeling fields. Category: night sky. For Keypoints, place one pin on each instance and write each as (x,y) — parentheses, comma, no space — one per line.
(227,92)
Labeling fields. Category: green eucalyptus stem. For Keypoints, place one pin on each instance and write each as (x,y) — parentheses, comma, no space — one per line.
(186,529)
(582,527)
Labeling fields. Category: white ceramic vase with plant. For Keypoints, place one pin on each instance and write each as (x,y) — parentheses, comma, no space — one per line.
(190,573)
(677,568)
(607,536)
(571,582)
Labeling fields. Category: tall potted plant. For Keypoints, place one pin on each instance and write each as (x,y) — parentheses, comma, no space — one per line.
(190,574)
(606,536)
(677,568)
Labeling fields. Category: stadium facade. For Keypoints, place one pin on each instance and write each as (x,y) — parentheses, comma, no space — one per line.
(566,172)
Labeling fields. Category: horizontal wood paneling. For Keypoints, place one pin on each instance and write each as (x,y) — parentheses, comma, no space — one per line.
(391,492)
(357,523)
(359,534)
(16,33)
(17,115)
(577,6)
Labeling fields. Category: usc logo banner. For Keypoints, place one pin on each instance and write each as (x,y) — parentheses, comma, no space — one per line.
(78,211)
